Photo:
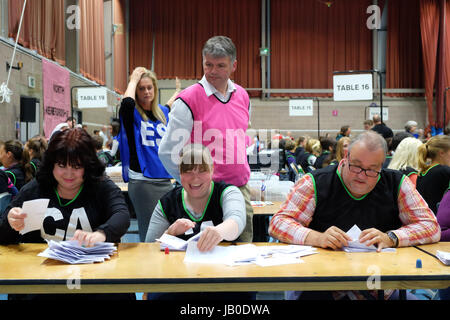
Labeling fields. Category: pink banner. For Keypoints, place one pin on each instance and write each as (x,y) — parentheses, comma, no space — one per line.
(56,87)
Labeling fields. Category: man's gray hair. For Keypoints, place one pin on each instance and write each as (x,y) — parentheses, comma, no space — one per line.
(372,140)
(409,124)
(220,46)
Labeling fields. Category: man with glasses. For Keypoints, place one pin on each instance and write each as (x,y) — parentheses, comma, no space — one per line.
(323,205)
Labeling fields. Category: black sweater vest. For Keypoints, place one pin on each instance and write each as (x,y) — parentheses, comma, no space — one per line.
(336,207)
(174,208)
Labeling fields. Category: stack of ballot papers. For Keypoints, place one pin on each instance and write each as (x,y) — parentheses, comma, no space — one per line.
(444,257)
(71,252)
(249,254)
(356,246)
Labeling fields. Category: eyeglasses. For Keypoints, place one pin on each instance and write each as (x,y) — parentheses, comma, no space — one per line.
(368,172)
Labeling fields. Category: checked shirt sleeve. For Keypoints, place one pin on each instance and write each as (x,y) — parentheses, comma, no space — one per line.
(290,224)
(419,222)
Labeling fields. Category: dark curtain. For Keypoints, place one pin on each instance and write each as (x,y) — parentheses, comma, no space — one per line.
(92,41)
(310,40)
(404,60)
(42,27)
(177,33)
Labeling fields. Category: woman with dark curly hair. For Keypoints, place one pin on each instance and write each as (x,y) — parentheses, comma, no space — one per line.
(84,204)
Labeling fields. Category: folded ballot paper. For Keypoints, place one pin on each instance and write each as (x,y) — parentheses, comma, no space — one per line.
(356,246)
(175,243)
(35,210)
(71,252)
(444,257)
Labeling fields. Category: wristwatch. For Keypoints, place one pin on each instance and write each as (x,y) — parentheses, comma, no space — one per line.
(393,237)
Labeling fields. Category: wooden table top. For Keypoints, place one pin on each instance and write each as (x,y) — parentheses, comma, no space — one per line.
(142,267)
(268,209)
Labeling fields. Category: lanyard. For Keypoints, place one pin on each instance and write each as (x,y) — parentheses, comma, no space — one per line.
(65,205)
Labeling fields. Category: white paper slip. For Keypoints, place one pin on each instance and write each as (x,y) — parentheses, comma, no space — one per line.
(277,261)
(206,224)
(35,210)
(444,257)
(218,255)
(175,243)
(356,246)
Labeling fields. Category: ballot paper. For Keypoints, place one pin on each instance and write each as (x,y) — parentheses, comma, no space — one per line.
(175,243)
(35,210)
(444,257)
(261,203)
(71,252)
(218,255)
(356,246)
(249,254)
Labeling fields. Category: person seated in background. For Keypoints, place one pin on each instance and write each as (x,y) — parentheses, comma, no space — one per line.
(103,155)
(300,148)
(7,191)
(411,128)
(84,204)
(406,158)
(443,218)
(382,128)
(340,151)
(33,152)
(325,204)
(327,146)
(11,156)
(6,186)
(71,122)
(113,143)
(368,124)
(294,170)
(392,146)
(434,171)
(308,159)
(345,132)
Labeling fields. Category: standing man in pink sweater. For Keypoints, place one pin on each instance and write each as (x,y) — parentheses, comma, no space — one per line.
(214,112)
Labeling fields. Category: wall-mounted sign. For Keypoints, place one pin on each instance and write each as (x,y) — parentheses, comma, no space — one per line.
(92,98)
(377,110)
(301,108)
(353,87)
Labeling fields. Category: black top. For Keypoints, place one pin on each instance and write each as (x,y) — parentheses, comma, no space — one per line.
(3,182)
(320,159)
(174,208)
(126,114)
(408,171)
(102,207)
(303,162)
(335,206)
(298,152)
(384,130)
(16,175)
(432,185)
(35,164)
